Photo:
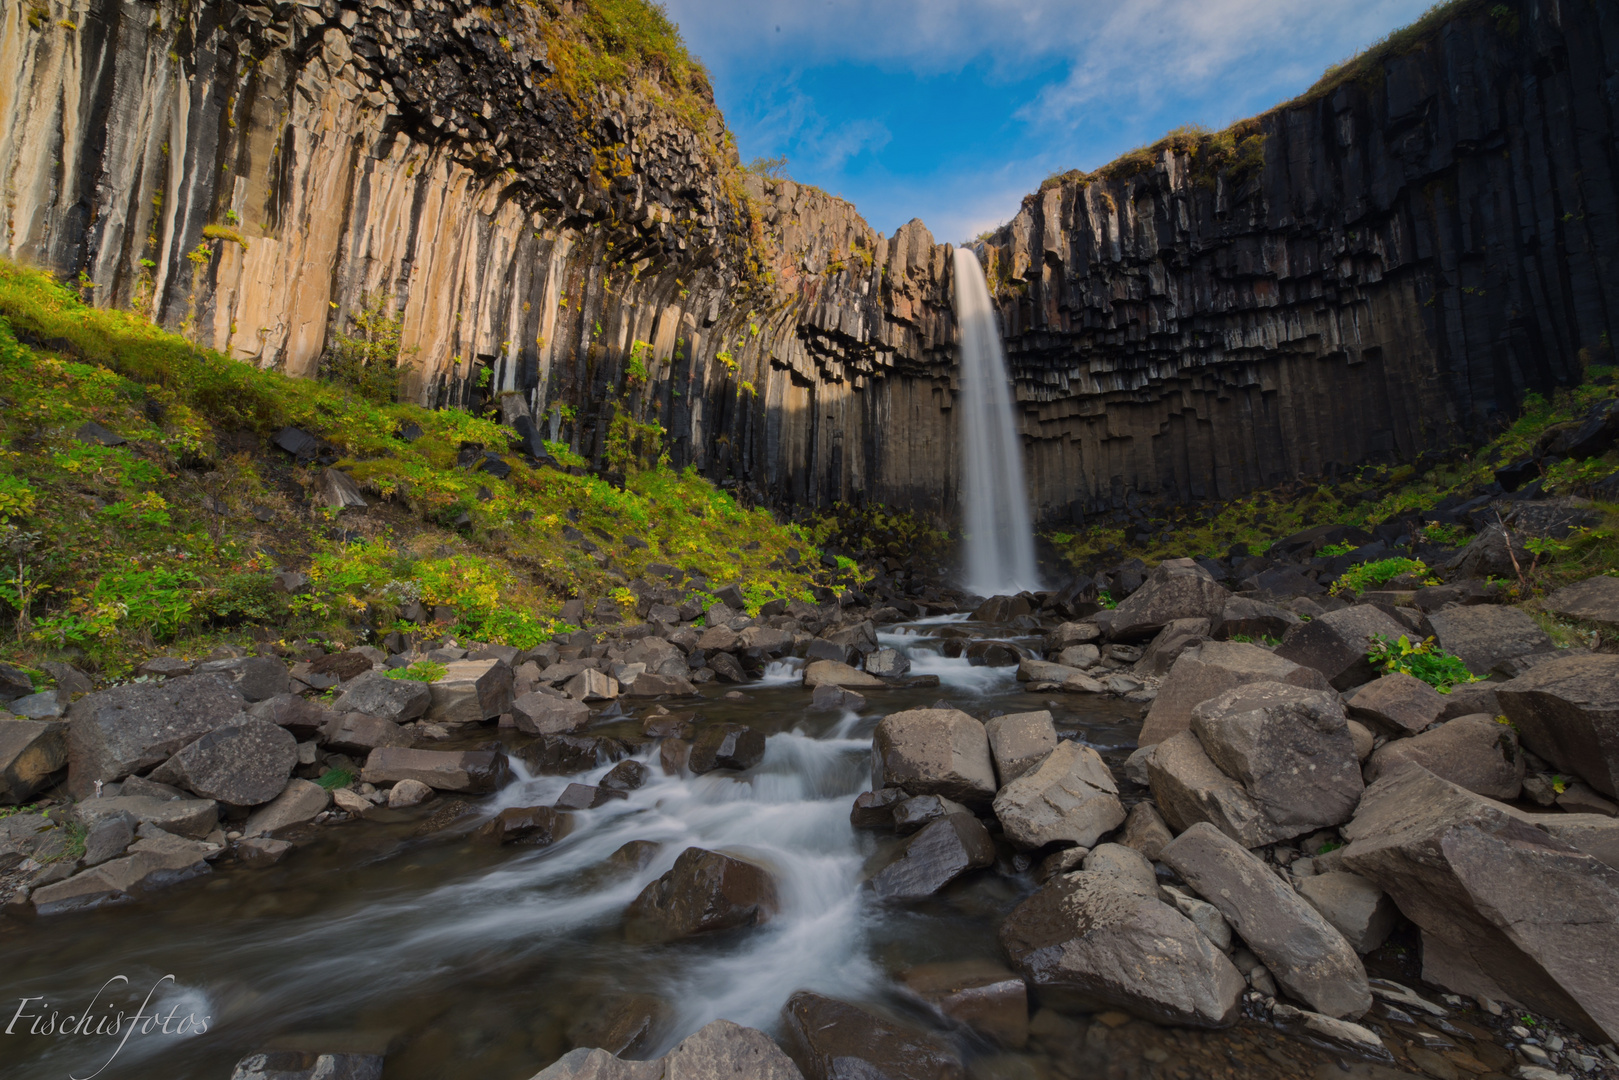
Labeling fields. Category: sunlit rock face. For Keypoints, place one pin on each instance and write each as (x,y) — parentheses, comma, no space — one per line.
(1414,252)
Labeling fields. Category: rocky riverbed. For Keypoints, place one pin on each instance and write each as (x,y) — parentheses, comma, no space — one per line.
(1197,834)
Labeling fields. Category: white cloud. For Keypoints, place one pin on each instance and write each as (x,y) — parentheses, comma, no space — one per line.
(818,142)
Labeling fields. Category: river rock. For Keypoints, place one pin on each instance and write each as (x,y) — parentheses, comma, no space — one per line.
(703,892)
(1289,747)
(836,1040)
(477,771)
(835,673)
(308,1065)
(357,733)
(935,857)
(1069,634)
(470,692)
(627,775)
(726,746)
(1594,600)
(888,664)
(133,727)
(301,716)
(1128,866)
(1486,634)
(1043,671)
(875,809)
(934,752)
(586,797)
(1594,834)
(720,1050)
(1567,711)
(564,755)
(829,698)
(981,994)
(152,862)
(1476,752)
(32,753)
(1304,953)
(374,694)
(1506,910)
(1334,1034)
(542,714)
(536,826)
(591,685)
(1173,640)
(1209,670)
(408,793)
(1090,942)
(1176,589)
(243,763)
(913,813)
(651,684)
(192,818)
(14,683)
(1018,742)
(256,678)
(1070,796)
(1356,908)
(1082,657)
(1335,643)
(1187,788)
(1397,704)
(1144,830)
(298,803)
(108,838)
(1253,619)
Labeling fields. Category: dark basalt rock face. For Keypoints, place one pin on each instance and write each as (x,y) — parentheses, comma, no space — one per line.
(1418,249)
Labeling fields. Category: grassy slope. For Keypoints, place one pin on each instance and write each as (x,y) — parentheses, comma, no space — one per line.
(1380,494)
(117,552)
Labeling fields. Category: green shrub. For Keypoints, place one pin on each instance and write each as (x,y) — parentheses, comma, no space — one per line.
(1425,661)
(425,671)
(1359,578)
(336,778)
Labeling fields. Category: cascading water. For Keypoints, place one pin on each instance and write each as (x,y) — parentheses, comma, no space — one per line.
(1000,538)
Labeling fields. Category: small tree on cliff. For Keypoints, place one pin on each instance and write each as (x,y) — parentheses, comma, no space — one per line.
(366,357)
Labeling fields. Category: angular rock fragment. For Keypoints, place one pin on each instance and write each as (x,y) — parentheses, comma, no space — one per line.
(934,752)
(299,802)
(1187,787)
(1070,796)
(542,714)
(1506,910)
(726,746)
(191,818)
(374,694)
(1210,670)
(1356,908)
(357,733)
(1144,830)
(1567,711)
(257,678)
(934,857)
(536,826)
(1252,619)
(32,753)
(1397,704)
(243,763)
(1307,956)
(704,891)
(834,673)
(1091,943)
(1336,643)
(131,728)
(875,809)
(476,771)
(722,1049)
(981,994)
(1476,752)
(152,863)
(1594,600)
(1486,634)
(836,1040)
(1018,741)
(1176,589)
(470,692)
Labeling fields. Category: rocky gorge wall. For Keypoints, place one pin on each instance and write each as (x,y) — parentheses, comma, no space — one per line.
(1417,250)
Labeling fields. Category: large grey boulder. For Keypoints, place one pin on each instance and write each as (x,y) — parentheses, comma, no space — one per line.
(1255,619)
(1335,643)
(1567,711)
(1506,910)
(1476,752)
(933,752)
(193,818)
(1356,908)
(257,678)
(1091,942)
(1173,640)
(1017,742)
(1486,634)
(702,892)
(1188,787)
(1290,748)
(1594,600)
(1209,670)
(1397,704)
(1176,589)
(837,1040)
(837,673)
(298,803)
(152,862)
(543,714)
(1070,796)
(32,753)
(243,763)
(478,771)
(722,1049)
(1305,954)
(934,857)
(470,692)
(130,728)
(357,733)
(374,694)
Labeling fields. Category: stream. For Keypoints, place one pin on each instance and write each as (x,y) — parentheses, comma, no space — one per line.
(400,934)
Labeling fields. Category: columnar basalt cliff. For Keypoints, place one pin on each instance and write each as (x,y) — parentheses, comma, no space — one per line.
(1415,250)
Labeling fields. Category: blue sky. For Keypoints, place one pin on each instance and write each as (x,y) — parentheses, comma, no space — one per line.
(952,110)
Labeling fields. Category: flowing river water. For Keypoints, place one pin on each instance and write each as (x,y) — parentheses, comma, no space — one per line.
(464,960)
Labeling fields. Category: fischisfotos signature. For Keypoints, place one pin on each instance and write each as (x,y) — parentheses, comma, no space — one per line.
(35,1015)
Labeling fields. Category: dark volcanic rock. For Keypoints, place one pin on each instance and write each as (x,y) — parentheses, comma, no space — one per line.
(704,891)
(726,746)
(835,1040)
(539,826)
(935,857)
(1567,711)
(131,728)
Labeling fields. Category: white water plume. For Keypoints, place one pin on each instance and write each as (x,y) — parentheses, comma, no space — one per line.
(995,508)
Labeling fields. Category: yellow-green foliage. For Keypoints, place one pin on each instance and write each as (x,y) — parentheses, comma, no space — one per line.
(117,551)
(1366,66)
(223,232)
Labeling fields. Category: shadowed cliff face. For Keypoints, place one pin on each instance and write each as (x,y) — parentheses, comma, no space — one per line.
(1414,254)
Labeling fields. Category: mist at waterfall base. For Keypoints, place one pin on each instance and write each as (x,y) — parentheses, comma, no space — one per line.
(995,508)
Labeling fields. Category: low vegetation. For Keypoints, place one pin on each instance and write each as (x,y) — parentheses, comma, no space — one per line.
(162,524)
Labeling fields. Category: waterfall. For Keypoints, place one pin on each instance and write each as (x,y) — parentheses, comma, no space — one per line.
(995,509)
